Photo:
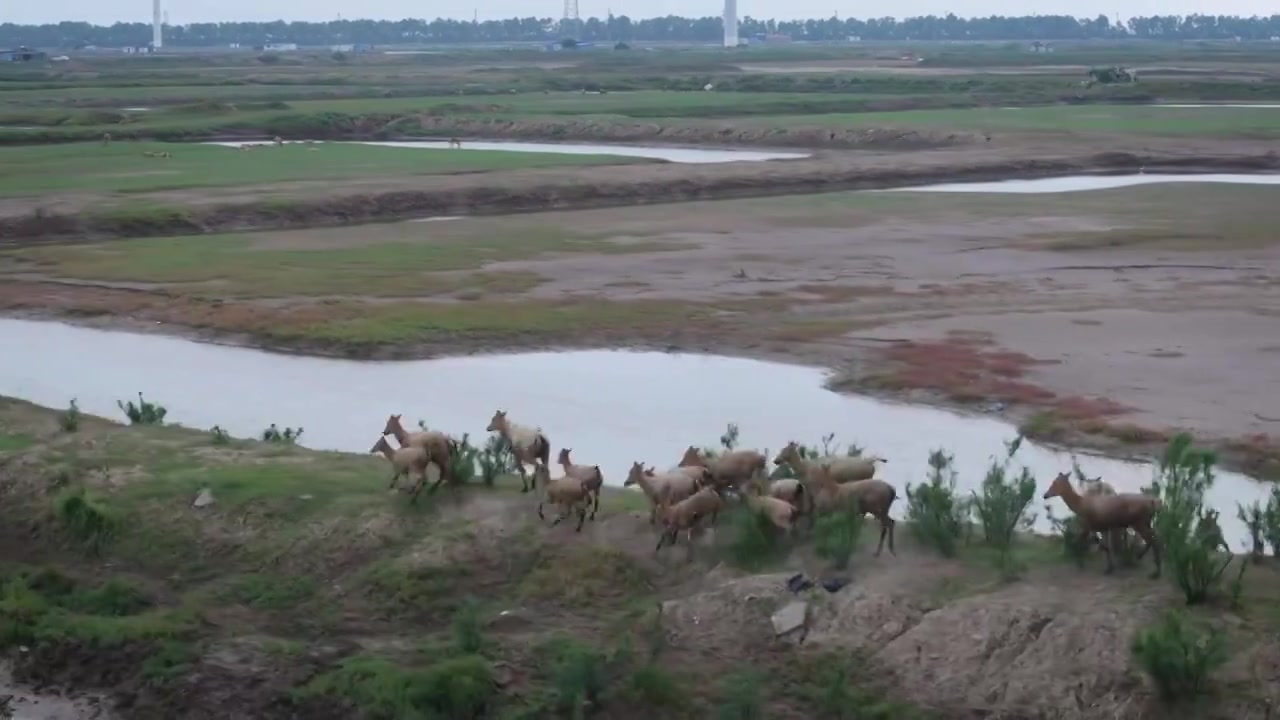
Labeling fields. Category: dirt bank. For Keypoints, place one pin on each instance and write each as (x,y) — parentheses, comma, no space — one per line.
(314,204)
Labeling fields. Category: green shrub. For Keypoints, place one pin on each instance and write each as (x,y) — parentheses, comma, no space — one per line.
(1183,526)
(1002,507)
(288,436)
(143,413)
(1255,520)
(752,539)
(836,535)
(937,517)
(1180,657)
(86,519)
(468,630)
(220,436)
(170,660)
(459,688)
(1271,521)
(655,687)
(578,675)
(739,697)
(69,420)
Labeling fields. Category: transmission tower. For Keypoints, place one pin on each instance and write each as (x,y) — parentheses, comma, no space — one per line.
(570,21)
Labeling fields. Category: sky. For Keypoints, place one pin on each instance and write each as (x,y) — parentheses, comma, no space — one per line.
(187,11)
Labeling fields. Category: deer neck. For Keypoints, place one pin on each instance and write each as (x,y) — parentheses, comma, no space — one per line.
(399,433)
(387,452)
(1072,499)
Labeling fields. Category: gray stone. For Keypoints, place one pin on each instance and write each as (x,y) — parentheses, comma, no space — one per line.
(204,499)
(790,618)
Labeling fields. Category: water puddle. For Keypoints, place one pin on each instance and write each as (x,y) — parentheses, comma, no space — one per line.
(1077,183)
(670,154)
(611,407)
(26,704)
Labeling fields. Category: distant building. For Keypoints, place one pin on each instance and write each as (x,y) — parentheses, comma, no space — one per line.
(1040,47)
(280,47)
(23,54)
(137,50)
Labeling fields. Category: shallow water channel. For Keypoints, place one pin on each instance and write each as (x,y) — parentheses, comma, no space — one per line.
(670,154)
(1077,183)
(611,407)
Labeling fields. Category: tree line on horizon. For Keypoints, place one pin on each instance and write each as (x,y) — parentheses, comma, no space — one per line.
(621,28)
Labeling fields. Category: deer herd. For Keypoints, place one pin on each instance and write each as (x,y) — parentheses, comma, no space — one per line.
(692,494)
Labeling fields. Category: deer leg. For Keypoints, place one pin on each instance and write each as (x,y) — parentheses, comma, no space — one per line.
(596,508)
(662,540)
(444,471)
(893,526)
(394,479)
(524,478)
(540,515)
(582,516)
(1151,542)
(559,518)
(417,488)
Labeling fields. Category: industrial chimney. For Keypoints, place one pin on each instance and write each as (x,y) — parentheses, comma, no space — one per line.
(157,22)
(730,23)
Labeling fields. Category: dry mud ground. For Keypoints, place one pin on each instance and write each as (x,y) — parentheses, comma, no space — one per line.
(945,635)
(1112,316)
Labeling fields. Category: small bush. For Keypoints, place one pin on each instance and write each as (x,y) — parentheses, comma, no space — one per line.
(220,436)
(1255,520)
(85,519)
(937,517)
(578,675)
(1180,657)
(69,420)
(170,660)
(752,538)
(288,436)
(1002,506)
(460,687)
(655,687)
(114,598)
(739,695)
(144,413)
(468,630)
(1271,521)
(835,535)
(495,459)
(1182,525)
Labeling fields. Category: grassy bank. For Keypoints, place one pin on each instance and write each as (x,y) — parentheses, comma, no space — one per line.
(268,207)
(340,599)
(126,168)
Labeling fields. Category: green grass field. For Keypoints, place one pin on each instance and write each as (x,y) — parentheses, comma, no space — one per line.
(385,260)
(122,167)
(1131,119)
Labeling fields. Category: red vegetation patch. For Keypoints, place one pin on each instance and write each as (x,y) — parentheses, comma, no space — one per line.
(960,367)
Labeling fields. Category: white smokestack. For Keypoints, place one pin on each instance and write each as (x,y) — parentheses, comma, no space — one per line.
(157,21)
(730,23)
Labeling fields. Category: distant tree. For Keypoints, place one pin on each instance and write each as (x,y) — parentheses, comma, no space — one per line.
(624,29)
